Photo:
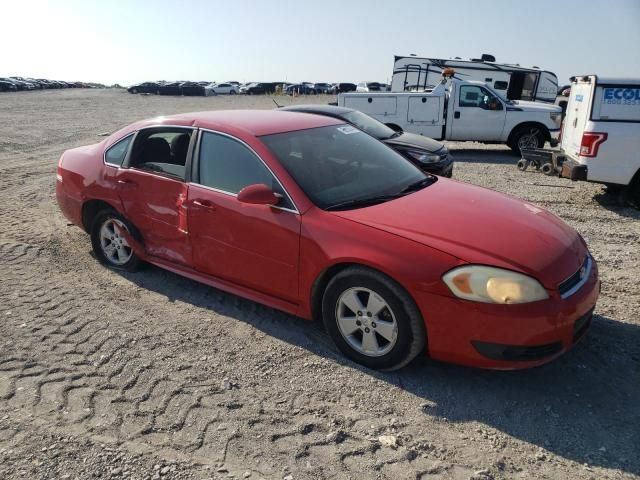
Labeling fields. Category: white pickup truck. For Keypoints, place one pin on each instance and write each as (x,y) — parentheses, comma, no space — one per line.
(462,110)
(601,133)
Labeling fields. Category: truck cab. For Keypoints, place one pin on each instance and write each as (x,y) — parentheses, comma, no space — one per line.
(462,110)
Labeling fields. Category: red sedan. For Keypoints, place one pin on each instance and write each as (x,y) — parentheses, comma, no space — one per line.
(314,217)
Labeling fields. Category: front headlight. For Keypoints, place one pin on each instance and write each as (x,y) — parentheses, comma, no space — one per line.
(556,118)
(423,157)
(493,285)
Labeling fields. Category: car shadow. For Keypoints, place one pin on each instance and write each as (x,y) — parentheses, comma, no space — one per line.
(584,406)
(617,202)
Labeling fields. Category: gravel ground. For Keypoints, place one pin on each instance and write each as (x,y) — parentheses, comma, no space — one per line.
(150,375)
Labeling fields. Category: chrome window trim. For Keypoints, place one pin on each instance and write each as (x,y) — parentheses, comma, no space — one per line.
(135,133)
(588,265)
(235,195)
(215,132)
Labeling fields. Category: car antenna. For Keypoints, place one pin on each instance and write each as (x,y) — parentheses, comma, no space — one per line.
(274,101)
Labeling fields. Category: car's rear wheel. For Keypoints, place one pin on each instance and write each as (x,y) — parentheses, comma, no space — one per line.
(109,245)
(372,319)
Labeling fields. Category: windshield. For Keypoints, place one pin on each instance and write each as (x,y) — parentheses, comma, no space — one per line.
(339,164)
(368,124)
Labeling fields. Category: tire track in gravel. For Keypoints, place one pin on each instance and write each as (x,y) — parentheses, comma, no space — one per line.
(88,376)
(100,372)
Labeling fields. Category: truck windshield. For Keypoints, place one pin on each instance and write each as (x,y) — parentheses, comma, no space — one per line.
(341,167)
(369,124)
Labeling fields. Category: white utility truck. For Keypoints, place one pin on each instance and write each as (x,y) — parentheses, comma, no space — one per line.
(414,74)
(462,110)
(601,133)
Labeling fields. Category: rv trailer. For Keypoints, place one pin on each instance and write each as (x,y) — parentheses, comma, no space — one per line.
(513,82)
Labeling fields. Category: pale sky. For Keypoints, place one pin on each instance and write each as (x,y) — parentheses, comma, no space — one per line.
(120,41)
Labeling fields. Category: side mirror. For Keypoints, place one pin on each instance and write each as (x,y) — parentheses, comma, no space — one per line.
(258,194)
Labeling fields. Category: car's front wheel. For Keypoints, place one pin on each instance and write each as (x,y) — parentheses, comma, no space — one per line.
(110,246)
(372,319)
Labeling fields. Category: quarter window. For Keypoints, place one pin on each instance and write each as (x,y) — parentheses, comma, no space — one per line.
(227,165)
(115,155)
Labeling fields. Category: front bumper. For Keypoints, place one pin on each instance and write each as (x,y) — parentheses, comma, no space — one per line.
(507,336)
(443,168)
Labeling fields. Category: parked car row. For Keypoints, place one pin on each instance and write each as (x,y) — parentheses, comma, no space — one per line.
(372,87)
(205,88)
(15,84)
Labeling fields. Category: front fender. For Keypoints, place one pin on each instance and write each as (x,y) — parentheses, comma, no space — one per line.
(327,244)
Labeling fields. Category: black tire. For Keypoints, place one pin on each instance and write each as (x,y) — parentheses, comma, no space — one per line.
(522,164)
(232,92)
(101,218)
(133,90)
(533,135)
(548,169)
(411,333)
(634,192)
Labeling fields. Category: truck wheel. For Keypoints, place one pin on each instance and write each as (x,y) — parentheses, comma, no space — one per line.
(527,137)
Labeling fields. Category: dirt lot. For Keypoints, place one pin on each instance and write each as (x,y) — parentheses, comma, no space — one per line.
(150,375)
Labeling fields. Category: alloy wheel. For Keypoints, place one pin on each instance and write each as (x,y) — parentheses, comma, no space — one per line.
(366,322)
(114,246)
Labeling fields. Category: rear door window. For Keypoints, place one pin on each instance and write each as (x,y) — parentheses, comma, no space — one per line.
(162,150)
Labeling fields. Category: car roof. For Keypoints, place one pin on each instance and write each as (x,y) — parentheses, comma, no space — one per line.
(319,109)
(616,80)
(254,122)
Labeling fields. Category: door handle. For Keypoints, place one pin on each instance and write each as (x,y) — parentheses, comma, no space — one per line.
(127,183)
(456,114)
(204,204)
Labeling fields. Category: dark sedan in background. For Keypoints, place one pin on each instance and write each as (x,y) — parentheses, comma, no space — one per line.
(427,154)
(300,89)
(146,87)
(342,88)
(7,86)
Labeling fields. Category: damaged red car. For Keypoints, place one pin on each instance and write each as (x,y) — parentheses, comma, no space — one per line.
(314,217)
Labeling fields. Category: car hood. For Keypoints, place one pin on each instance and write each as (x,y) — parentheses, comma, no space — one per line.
(481,226)
(417,141)
(536,106)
